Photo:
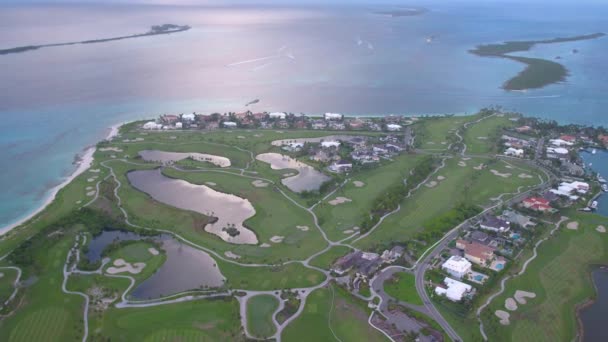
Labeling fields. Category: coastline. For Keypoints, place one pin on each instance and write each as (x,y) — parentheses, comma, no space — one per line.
(84,163)
(580,307)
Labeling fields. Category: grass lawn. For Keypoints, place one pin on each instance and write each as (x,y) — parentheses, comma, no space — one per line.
(336,219)
(326,259)
(403,288)
(259,315)
(269,278)
(332,308)
(436,133)
(483,136)
(7,283)
(560,278)
(201,320)
(46,314)
(138,252)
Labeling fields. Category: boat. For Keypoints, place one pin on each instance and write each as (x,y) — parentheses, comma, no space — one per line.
(601,179)
(594,151)
(593,205)
(604,188)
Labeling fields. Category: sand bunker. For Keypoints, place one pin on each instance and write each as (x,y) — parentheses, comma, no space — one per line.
(431,143)
(259,183)
(339,200)
(462,164)
(524,175)
(572,225)
(173,137)
(303,228)
(91,193)
(277,239)
(440,178)
(444,143)
(500,174)
(479,167)
(210,183)
(431,184)
(78,202)
(358,184)
(504,317)
(115,149)
(89,188)
(348,231)
(95,170)
(265,245)
(153,251)
(482,138)
(258,135)
(91,180)
(510,304)
(465,158)
(231,255)
(509,167)
(520,296)
(121,266)
(240,137)
(601,229)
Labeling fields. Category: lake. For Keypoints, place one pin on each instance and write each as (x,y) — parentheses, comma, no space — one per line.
(594,316)
(185,268)
(172,157)
(230,210)
(306,177)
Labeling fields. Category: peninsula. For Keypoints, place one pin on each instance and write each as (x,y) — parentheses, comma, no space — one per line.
(245,226)
(538,72)
(154,30)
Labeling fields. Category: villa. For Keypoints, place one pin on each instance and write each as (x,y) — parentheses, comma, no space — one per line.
(341,166)
(536,204)
(517,218)
(277,115)
(454,290)
(514,152)
(189,117)
(494,224)
(330,144)
(476,253)
(560,142)
(557,153)
(457,266)
(229,124)
(393,127)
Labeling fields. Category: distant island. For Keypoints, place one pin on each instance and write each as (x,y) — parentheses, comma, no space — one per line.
(403,12)
(154,30)
(538,72)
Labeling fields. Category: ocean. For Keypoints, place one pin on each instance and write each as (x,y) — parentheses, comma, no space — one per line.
(56,101)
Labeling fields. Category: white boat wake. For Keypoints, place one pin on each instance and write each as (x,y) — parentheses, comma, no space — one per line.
(282,52)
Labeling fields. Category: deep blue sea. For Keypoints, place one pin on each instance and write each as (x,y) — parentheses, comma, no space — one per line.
(56,101)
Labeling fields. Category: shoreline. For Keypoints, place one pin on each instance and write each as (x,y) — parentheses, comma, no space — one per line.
(84,162)
(580,307)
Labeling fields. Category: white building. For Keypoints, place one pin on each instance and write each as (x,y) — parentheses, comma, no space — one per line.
(179,125)
(229,124)
(152,125)
(393,127)
(457,266)
(333,116)
(560,142)
(277,115)
(293,146)
(341,166)
(455,289)
(189,117)
(557,153)
(328,144)
(514,152)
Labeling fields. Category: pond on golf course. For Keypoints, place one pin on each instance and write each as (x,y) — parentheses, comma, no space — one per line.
(307,177)
(172,157)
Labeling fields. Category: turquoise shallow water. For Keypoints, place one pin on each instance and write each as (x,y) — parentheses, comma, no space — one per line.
(599,163)
(56,101)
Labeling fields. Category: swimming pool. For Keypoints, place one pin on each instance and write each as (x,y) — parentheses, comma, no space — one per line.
(478,277)
(500,266)
(515,236)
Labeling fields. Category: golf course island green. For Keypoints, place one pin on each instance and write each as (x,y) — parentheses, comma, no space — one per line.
(538,72)
(236,234)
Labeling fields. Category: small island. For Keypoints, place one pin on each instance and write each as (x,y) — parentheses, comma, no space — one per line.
(538,72)
(154,30)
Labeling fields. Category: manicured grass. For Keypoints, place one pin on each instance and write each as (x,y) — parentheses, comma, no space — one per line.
(331,310)
(259,315)
(327,259)
(403,288)
(201,320)
(560,277)
(7,282)
(335,219)
(463,183)
(46,314)
(482,137)
(288,276)
(436,133)
(138,252)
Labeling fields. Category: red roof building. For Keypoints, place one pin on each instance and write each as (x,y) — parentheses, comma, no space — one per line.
(536,203)
(568,138)
(603,139)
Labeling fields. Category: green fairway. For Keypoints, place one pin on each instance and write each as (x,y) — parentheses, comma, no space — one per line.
(483,136)
(559,277)
(333,314)
(403,288)
(436,133)
(326,259)
(260,310)
(338,220)
(289,276)
(201,320)
(7,283)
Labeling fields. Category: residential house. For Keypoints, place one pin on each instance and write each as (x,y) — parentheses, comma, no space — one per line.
(189,117)
(259,116)
(603,139)
(454,290)
(152,125)
(341,166)
(229,124)
(494,224)
(514,152)
(333,116)
(560,142)
(523,129)
(319,124)
(393,254)
(537,204)
(457,266)
(569,138)
(393,127)
(572,169)
(277,115)
(282,124)
(517,218)
(169,119)
(330,144)
(476,253)
(365,264)
(558,153)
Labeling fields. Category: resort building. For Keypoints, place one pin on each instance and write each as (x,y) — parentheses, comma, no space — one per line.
(152,125)
(454,290)
(341,166)
(514,152)
(277,115)
(560,142)
(329,144)
(537,204)
(393,127)
(457,266)
(229,124)
(557,153)
(190,117)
